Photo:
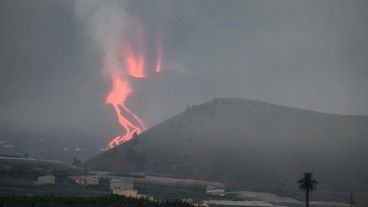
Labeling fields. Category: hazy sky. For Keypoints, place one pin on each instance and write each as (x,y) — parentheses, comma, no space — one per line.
(305,54)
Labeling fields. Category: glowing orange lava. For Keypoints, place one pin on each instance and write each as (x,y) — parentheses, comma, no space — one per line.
(159,52)
(133,65)
(117,97)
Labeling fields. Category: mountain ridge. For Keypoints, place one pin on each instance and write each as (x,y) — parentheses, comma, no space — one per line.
(248,144)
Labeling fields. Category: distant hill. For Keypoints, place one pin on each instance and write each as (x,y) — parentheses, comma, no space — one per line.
(250,145)
(50,145)
(14,162)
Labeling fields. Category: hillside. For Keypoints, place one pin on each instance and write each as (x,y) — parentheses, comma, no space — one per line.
(250,145)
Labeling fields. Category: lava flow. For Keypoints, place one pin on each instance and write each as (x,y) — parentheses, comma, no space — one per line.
(117,97)
(133,65)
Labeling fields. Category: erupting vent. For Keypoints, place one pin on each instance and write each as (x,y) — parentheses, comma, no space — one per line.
(132,65)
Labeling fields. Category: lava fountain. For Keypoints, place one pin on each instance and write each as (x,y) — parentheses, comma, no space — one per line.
(126,57)
(134,60)
(158,52)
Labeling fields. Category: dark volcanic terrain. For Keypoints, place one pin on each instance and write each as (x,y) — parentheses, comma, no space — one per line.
(250,145)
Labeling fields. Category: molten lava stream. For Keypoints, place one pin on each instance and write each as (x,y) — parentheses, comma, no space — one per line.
(117,97)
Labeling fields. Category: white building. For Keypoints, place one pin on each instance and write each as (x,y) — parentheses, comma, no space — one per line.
(216,191)
(126,193)
(121,183)
(86,179)
(123,186)
(46,180)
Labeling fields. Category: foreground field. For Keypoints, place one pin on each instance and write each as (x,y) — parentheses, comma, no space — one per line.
(98,201)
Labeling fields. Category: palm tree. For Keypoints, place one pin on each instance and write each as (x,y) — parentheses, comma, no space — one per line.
(352,202)
(308,184)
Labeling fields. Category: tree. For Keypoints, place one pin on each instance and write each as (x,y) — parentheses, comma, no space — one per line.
(352,202)
(308,184)
(76,162)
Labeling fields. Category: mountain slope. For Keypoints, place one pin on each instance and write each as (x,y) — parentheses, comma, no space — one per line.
(251,145)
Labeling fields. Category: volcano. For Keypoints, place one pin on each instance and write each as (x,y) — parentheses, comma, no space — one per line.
(251,145)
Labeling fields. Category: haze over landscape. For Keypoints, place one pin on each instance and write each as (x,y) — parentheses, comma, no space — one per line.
(240,96)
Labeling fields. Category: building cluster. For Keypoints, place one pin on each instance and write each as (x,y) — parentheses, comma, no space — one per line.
(46,176)
(118,185)
(86,179)
(124,186)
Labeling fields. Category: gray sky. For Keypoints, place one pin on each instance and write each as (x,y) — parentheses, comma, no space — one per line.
(305,54)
